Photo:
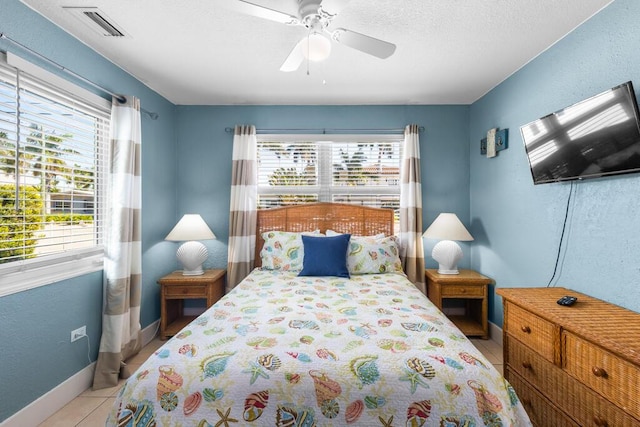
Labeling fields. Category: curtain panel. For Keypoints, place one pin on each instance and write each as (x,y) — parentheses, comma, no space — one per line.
(244,205)
(121,331)
(411,249)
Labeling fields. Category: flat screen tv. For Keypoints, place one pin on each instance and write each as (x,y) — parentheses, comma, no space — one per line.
(596,137)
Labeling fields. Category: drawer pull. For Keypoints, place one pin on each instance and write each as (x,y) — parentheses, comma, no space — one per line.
(526,365)
(526,329)
(599,372)
(599,421)
(526,402)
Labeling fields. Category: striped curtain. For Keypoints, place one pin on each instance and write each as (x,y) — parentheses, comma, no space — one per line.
(411,249)
(244,203)
(121,337)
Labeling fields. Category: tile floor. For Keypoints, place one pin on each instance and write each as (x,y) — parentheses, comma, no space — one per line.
(91,408)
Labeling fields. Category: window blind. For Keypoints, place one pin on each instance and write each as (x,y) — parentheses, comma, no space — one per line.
(53,148)
(350,169)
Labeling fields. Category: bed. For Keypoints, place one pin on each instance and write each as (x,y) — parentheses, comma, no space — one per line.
(284,349)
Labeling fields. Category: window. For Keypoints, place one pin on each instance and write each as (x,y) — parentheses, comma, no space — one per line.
(53,146)
(359,169)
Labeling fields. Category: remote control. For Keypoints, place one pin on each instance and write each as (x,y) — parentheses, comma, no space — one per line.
(567,300)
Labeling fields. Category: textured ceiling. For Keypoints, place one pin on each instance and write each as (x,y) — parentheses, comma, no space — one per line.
(202,52)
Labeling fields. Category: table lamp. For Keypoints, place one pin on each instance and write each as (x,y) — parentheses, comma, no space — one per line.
(191,254)
(446,252)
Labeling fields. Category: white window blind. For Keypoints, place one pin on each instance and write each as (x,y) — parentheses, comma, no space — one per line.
(53,147)
(359,169)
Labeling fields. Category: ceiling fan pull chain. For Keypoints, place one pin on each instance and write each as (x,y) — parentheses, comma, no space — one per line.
(324,73)
(308,47)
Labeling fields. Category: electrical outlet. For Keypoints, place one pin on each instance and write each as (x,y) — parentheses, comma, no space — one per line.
(76,334)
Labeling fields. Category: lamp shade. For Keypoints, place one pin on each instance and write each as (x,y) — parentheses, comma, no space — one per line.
(190,227)
(191,254)
(447,227)
(316,47)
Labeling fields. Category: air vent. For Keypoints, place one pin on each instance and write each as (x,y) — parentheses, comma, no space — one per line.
(107,26)
(97,20)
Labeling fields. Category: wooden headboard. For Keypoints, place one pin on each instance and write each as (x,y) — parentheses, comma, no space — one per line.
(341,217)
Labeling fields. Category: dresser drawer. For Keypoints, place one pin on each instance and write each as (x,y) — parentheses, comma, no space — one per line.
(181,291)
(616,379)
(589,409)
(531,330)
(540,410)
(574,399)
(530,365)
(462,291)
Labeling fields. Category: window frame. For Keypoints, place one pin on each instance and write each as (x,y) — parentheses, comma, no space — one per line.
(327,184)
(18,276)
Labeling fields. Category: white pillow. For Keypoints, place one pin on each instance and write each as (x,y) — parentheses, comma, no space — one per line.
(335,233)
(283,250)
(373,255)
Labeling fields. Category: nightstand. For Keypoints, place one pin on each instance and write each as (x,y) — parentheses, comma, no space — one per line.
(175,288)
(468,286)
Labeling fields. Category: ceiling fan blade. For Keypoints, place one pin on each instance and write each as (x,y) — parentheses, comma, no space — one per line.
(295,58)
(367,44)
(333,7)
(263,12)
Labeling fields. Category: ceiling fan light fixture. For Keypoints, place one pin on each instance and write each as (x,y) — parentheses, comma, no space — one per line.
(316,47)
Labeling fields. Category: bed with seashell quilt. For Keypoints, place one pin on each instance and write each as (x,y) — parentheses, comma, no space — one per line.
(328,342)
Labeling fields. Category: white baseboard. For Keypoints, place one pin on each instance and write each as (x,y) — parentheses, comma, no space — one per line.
(55,399)
(52,401)
(150,332)
(495,333)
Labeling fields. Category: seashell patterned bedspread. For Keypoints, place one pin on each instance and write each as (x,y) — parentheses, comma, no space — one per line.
(282,350)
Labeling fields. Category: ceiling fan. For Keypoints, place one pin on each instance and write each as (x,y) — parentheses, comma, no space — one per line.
(316,16)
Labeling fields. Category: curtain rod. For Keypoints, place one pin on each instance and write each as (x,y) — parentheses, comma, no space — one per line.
(120,98)
(327,131)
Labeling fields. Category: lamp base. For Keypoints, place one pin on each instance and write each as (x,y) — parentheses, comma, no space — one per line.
(191,255)
(196,272)
(447,253)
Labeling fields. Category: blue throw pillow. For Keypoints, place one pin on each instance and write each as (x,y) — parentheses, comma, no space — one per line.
(325,256)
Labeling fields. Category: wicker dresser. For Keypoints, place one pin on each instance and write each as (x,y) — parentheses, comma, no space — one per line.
(572,366)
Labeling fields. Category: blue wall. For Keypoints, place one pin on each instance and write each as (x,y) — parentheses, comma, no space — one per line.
(35,351)
(517,224)
(204,153)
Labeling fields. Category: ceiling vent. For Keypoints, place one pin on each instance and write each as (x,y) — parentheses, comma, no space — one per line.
(97,20)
